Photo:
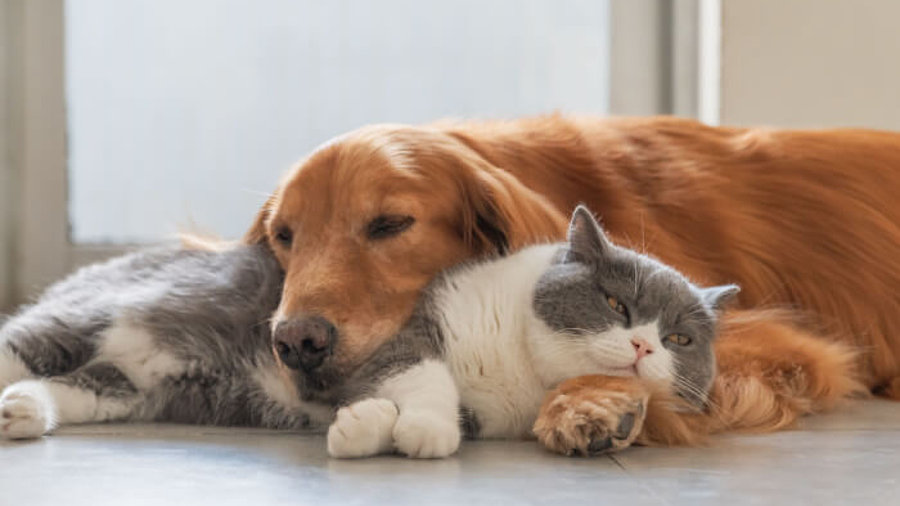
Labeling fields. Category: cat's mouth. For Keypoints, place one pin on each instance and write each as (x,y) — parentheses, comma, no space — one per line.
(630,370)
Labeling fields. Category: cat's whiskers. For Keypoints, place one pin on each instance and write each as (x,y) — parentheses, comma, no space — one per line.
(712,407)
(659,271)
(637,276)
(645,244)
(689,386)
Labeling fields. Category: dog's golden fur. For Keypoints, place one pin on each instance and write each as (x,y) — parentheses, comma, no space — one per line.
(804,221)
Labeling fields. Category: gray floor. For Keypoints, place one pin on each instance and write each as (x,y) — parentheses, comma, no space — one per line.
(848,457)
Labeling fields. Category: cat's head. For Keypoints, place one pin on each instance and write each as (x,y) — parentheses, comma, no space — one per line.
(611,310)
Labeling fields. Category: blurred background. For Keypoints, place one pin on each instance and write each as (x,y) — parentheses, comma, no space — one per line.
(123,121)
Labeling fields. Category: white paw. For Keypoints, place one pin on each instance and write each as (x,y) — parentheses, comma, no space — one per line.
(362,429)
(25,412)
(425,435)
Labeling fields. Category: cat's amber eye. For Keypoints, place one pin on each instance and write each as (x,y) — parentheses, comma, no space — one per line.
(679,339)
(616,305)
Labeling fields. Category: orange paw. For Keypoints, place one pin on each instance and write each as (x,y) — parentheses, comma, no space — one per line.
(592,415)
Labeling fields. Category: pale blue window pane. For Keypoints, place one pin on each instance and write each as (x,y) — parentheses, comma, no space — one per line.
(185,112)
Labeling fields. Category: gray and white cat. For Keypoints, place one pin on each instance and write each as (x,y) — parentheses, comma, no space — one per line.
(492,338)
(167,335)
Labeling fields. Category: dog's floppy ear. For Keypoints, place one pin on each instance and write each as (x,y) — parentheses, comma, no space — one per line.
(485,226)
(257,233)
(500,214)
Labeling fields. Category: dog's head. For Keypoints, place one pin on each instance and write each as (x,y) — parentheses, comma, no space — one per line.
(362,225)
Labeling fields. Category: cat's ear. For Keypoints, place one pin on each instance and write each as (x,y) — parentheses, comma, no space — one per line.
(718,297)
(587,240)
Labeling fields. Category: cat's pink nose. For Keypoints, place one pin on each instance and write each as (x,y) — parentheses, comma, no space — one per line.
(641,347)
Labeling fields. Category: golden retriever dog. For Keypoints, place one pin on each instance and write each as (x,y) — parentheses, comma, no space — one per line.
(807,222)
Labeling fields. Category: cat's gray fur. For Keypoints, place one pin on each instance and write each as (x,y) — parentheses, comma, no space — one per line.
(210,310)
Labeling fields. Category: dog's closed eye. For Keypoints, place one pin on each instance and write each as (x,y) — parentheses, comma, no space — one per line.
(284,236)
(386,226)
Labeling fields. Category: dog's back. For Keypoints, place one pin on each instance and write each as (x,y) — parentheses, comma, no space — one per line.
(800,219)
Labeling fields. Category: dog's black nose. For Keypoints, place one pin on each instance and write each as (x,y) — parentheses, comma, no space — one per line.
(304,343)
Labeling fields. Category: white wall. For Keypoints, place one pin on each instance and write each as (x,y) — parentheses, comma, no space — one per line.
(799,63)
(187,112)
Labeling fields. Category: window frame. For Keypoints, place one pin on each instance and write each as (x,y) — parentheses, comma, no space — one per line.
(7,183)
(36,210)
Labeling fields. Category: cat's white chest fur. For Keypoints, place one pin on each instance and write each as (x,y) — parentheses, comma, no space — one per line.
(486,317)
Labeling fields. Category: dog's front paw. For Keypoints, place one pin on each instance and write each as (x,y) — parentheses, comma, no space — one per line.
(425,435)
(362,429)
(592,419)
(26,411)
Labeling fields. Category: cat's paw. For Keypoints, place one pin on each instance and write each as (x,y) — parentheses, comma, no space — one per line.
(592,420)
(26,412)
(425,435)
(362,429)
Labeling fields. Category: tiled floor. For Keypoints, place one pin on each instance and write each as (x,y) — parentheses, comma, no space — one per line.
(849,457)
